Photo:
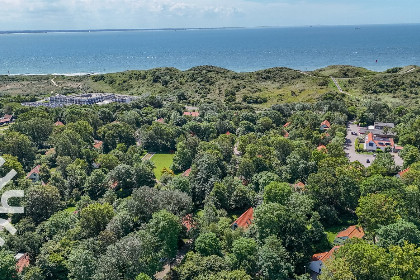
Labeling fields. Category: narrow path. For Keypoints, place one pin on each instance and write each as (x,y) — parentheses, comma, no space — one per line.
(411,70)
(178,259)
(148,156)
(53,82)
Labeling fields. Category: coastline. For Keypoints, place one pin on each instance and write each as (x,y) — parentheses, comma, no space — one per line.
(82,74)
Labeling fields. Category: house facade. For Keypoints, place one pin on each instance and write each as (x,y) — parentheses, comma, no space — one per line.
(372,143)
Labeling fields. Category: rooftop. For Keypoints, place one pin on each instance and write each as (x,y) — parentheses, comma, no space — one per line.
(245,220)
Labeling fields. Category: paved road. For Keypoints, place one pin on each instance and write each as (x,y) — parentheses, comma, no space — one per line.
(351,152)
(350,148)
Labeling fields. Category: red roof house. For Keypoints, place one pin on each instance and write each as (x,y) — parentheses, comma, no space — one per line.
(161,120)
(286,124)
(34,174)
(325,125)
(58,123)
(372,143)
(98,144)
(188,222)
(322,148)
(187,172)
(348,233)
(245,220)
(22,262)
(319,259)
(192,114)
(401,173)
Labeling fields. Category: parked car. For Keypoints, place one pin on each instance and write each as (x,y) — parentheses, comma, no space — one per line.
(367,161)
(353,133)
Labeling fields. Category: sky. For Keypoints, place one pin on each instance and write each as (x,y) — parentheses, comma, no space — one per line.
(101,14)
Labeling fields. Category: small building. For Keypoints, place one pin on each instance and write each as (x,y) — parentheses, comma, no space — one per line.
(245,220)
(325,125)
(188,222)
(299,187)
(318,260)
(22,261)
(349,233)
(322,148)
(382,125)
(33,175)
(58,123)
(187,172)
(160,120)
(401,173)
(341,237)
(372,143)
(98,144)
(192,114)
(6,119)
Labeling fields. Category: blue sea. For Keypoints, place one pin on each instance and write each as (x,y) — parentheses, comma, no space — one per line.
(376,47)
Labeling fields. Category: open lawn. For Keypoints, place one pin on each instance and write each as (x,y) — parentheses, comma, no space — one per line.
(161,161)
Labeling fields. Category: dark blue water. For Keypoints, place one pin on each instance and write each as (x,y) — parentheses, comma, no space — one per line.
(304,48)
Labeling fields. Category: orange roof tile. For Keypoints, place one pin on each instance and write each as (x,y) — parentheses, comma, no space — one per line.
(58,123)
(245,220)
(321,148)
(326,123)
(326,255)
(193,114)
(401,173)
(34,170)
(286,124)
(188,222)
(98,144)
(161,120)
(352,232)
(22,262)
(187,172)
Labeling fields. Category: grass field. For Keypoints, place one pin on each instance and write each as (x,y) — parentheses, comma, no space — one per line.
(161,161)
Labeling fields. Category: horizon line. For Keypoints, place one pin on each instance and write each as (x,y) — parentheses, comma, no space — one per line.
(190,28)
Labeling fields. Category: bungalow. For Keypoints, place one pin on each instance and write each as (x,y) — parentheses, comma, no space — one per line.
(382,125)
(160,120)
(319,259)
(372,143)
(6,119)
(325,125)
(187,172)
(322,148)
(245,220)
(349,233)
(98,144)
(22,261)
(192,114)
(299,187)
(188,222)
(33,175)
(401,173)
(58,123)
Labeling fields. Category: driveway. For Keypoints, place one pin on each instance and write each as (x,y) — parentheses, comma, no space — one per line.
(349,148)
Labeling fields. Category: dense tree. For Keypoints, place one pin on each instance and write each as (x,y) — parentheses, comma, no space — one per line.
(166,227)
(397,234)
(95,217)
(273,260)
(18,145)
(376,210)
(7,265)
(41,202)
(208,244)
(115,133)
